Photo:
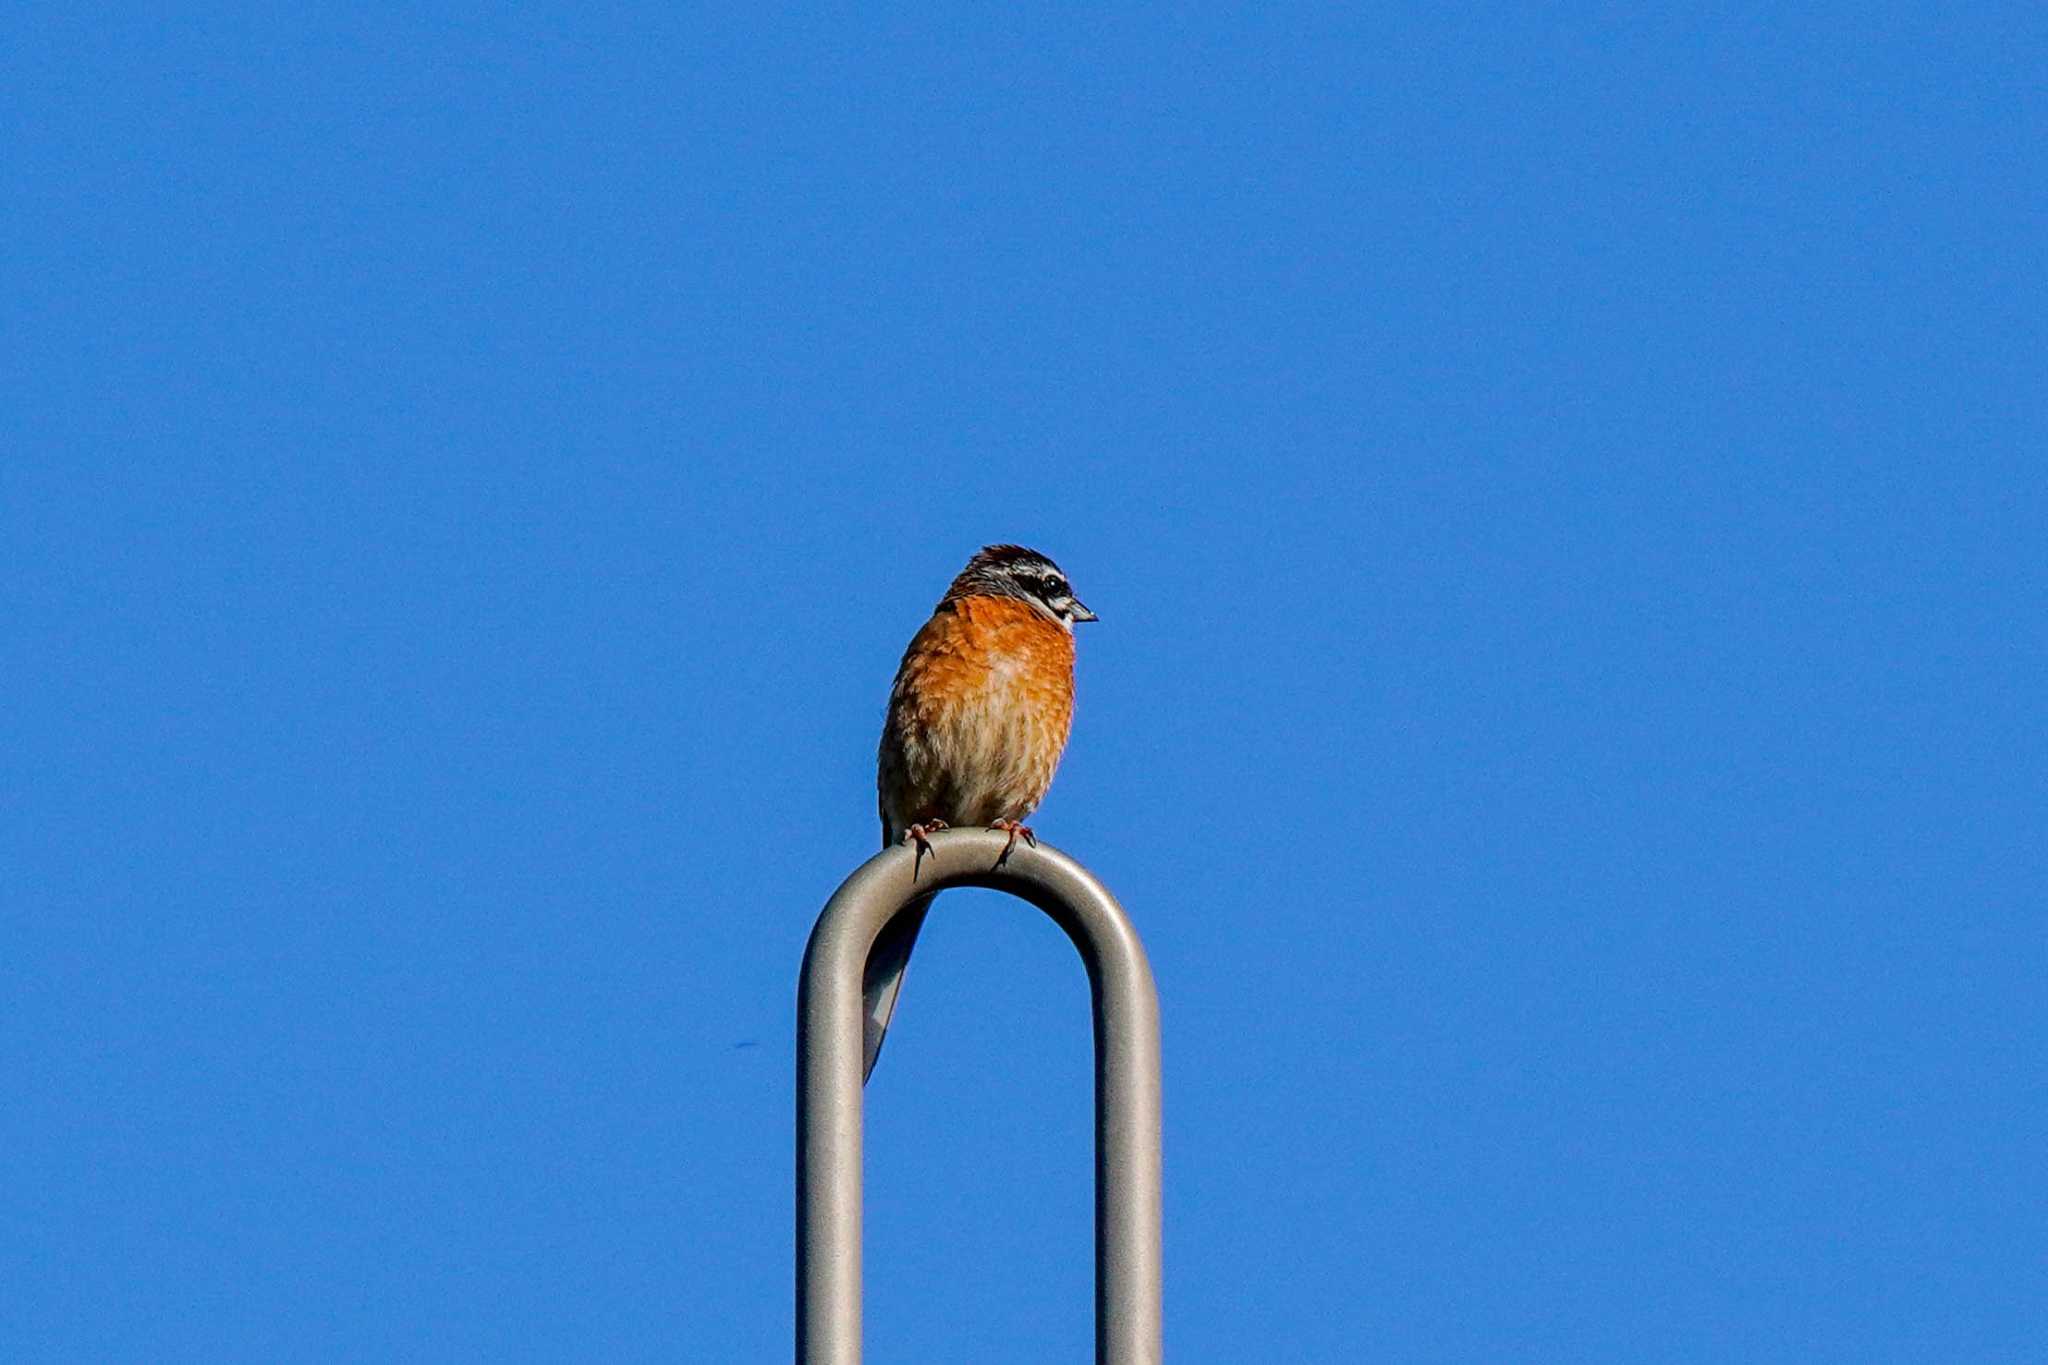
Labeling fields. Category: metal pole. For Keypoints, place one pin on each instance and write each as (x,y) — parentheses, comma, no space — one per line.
(828,1065)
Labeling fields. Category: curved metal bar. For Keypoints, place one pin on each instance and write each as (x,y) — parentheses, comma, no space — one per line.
(828,1065)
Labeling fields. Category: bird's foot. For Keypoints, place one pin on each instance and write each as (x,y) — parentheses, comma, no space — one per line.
(920,835)
(1017,829)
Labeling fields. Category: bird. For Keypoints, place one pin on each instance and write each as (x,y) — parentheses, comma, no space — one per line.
(977,721)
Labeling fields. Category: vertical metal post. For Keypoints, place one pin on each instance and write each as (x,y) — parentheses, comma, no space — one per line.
(828,1065)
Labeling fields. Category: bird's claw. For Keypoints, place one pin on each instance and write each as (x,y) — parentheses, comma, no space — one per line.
(920,835)
(1016,828)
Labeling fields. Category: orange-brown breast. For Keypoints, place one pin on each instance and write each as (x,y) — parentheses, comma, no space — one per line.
(978,717)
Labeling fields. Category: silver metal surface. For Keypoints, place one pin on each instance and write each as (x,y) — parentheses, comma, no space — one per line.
(829,1052)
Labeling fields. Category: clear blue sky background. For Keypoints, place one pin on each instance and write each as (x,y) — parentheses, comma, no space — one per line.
(1565,498)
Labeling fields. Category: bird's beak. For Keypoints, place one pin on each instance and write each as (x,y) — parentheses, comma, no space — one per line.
(1081,612)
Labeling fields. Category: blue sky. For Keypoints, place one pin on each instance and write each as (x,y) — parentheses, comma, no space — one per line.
(1564,494)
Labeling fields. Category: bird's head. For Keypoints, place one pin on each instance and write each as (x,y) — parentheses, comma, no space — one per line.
(1027,575)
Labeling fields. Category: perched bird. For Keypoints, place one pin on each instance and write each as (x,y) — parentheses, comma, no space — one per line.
(978,718)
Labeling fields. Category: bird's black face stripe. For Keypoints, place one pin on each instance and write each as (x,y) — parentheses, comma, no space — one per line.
(1043,583)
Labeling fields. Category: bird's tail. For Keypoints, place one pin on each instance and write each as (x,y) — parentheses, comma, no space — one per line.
(884,976)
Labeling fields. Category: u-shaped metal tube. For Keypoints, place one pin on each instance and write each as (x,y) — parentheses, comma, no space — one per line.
(1128,1276)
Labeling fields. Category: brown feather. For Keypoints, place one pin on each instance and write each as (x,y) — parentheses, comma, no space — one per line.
(978,717)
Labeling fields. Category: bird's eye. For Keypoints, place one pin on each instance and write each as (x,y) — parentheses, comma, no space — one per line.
(1055,586)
